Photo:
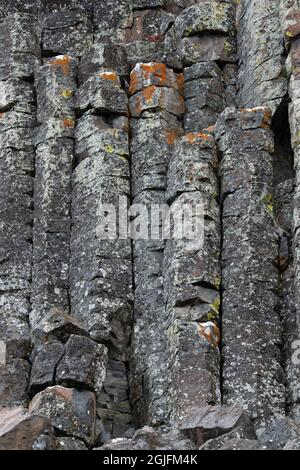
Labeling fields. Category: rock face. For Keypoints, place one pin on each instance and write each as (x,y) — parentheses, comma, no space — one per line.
(149,224)
(22,431)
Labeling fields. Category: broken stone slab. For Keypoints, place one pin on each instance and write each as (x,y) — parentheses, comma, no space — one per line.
(208,69)
(83,364)
(206,16)
(149,438)
(156,98)
(211,422)
(154,74)
(103,94)
(20,430)
(44,358)
(58,325)
(72,412)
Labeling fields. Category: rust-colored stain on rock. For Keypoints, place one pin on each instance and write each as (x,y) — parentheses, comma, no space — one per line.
(62,62)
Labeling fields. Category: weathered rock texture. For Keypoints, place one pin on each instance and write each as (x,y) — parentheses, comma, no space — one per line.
(115,332)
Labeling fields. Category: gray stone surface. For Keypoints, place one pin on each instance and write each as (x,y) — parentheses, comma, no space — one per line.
(252,373)
(109,99)
(21,431)
(211,422)
(72,412)
(149,438)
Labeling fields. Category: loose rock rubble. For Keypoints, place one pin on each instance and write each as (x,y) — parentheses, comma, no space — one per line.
(111,339)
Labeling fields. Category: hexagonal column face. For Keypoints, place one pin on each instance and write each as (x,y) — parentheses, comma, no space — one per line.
(19,55)
(192,275)
(252,373)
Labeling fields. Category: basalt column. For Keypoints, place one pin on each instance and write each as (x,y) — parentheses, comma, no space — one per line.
(252,373)
(55,86)
(192,279)
(19,54)
(293,319)
(101,266)
(155,105)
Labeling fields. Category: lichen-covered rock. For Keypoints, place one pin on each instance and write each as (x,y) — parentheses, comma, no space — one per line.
(103,94)
(44,358)
(83,364)
(149,438)
(261,75)
(69,443)
(250,246)
(210,422)
(20,430)
(72,412)
(20,51)
(279,432)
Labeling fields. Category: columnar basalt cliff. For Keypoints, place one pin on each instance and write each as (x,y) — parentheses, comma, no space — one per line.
(111,339)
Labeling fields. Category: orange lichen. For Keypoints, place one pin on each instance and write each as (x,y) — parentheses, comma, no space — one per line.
(2,115)
(171,136)
(138,105)
(112,76)
(158,70)
(180,82)
(69,123)
(192,137)
(133,82)
(210,332)
(267,115)
(210,129)
(62,62)
(148,93)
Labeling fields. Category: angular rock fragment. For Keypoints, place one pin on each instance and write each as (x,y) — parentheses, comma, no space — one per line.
(103,93)
(72,412)
(58,325)
(210,422)
(202,32)
(66,27)
(21,431)
(156,98)
(45,358)
(149,438)
(83,364)
(103,58)
(204,93)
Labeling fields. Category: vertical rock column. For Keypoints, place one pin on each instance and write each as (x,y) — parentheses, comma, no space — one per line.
(252,373)
(101,265)
(293,319)
(192,280)
(155,105)
(261,78)
(19,53)
(55,88)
